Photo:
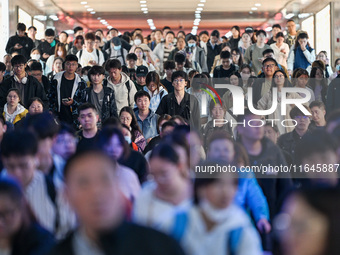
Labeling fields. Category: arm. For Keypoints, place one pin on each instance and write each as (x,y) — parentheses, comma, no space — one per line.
(310,56)
(203,62)
(256,200)
(113,105)
(162,109)
(291,59)
(133,91)
(247,56)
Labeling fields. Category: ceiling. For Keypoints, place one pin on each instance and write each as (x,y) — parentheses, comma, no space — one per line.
(178,14)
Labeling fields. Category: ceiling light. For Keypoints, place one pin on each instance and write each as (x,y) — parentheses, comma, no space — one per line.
(92,12)
(195,27)
(203,1)
(90,9)
(40,17)
(289,16)
(109,27)
(142,2)
(198,20)
(145,12)
(149,20)
(250,12)
(304,15)
(254,8)
(86,6)
(201,5)
(199,9)
(144,9)
(143,5)
(83,2)
(258,4)
(102,20)
(99,18)
(153,28)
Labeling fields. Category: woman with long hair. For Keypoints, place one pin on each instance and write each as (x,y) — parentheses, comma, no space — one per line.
(155,89)
(60,51)
(318,83)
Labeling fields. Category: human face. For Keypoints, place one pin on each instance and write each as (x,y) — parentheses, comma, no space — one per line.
(65,145)
(96,44)
(260,38)
(21,33)
(125,118)
(13,99)
(226,62)
(63,38)
(221,149)
(139,53)
(275,31)
(37,74)
(143,103)
(322,57)
(21,168)
(279,79)
(10,217)
(319,75)
(180,66)
(7,62)
(245,74)
(204,38)
(235,56)
(95,195)
(158,35)
(179,84)
(166,174)
(318,114)
(291,27)
(152,86)
(35,108)
(19,69)
(58,66)
(114,148)
(235,33)
(302,123)
(253,132)
(89,44)
(100,34)
(114,74)
(245,38)
(180,44)
(233,80)
(31,33)
(270,133)
(49,39)
(303,41)
(141,80)
(131,63)
(88,119)
(97,79)
(71,67)
(269,68)
(169,38)
(302,81)
(269,55)
(307,230)
(220,193)
(213,39)
(169,72)
(192,41)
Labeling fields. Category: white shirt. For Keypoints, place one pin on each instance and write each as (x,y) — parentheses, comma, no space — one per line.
(86,57)
(128,181)
(280,57)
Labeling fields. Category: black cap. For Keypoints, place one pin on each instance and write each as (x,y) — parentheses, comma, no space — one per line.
(116,41)
(142,71)
(249,30)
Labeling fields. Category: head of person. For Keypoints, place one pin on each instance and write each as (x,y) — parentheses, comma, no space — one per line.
(261,36)
(138,39)
(235,79)
(57,65)
(226,47)
(180,59)
(90,39)
(60,50)
(300,78)
(70,64)
(179,80)
(169,37)
(63,36)
(32,31)
(181,43)
(142,100)
(79,42)
(268,53)
(13,97)
(317,73)
(113,32)
(252,130)
(158,35)
(204,36)
(117,44)
(78,31)
(179,120)
(246,38)
(35,106)
(65,143)
(214,36)
(111,140)
(88,116)
(35,54)
(97,42)
(131,59)
(319,63)
(165,30)
(99,33)
(271,132)
(226,59)
(152,81)
(2,70)
(280,79)
(318,111)
(221,146)
(312,222)
(18,63)
(236,55)
(180,34)
(191,40)
(276,28)
(235,30)
(337,65)
(94,195)
(126,133)
(49,35)
(114,68)
(169,67)
(291,26)
(302,39)
(79,70)
(128,117)
(141,73)
(161,120)
(280,38)
(96,75)
(139,53)
(302,120)
(198,81)
(36,71)
(217,111)
(7,62)
(245,72)
(269,66)
(19,155)
(21,29)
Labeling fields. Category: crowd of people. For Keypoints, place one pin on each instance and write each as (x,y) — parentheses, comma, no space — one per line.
(101,136)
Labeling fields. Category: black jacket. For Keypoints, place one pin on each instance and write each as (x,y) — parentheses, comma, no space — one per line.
(212,53)
(188,109)
(137,162)
(33,240)
(33,88)
(26,43)
(333,95)
(45,47)
(128,239)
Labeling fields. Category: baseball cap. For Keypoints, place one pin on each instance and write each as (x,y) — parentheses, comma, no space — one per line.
(142,71)
(116,41)
(249,30)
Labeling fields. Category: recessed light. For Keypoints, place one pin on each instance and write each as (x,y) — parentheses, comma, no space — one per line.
(201,5)
(99,18)
(258,4)
(144,9)
(142,2)
(83,2)
(199,9)
(250,12)
(203,1)
(92,12)
(254,8)
(143,5)
(90,9)
(145,12)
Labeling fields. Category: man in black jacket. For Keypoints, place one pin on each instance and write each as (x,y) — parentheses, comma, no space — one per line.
(20,42)
(213,49)
(27,85)
(47,47)
(93,191)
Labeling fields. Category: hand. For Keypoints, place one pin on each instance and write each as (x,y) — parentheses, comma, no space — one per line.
(289,72)
(92,62)
(45,55)
(263,226)
(149,139)
(69,102)
(303,46)
(17,46)
(283,51)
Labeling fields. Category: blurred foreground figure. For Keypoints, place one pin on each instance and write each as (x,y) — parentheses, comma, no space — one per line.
(99,204)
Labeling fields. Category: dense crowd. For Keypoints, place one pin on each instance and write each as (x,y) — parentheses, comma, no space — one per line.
(101,136)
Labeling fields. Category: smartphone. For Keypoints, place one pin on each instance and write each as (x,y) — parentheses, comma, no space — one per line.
(65,100)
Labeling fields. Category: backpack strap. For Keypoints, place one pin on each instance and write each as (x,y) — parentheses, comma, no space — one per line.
(80,54)
(234,240)
(179,227)
(122,54)
(52,194)
(127,84)
(161,94)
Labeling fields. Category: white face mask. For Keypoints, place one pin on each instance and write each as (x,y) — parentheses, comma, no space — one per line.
(245,76)
(85,78)
(35,56)
(137,41)
(60,53)
(216,215)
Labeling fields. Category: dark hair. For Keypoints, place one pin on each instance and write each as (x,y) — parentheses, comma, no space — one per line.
(65,128)
(295,111)
(191,37)
(170,32)
(286,84)
(225,54)
(297,73)
(279,34)
(166,117)
(169,64)
(165,151)
(220,135)
(169,123)
(269,59)
(336,61)
(98,38)
(19,143)
(198,81)
(134,124)
(166,27)
(36,66)
(76,29)
(141,93)
(258,32)
(86,106)
(2,67)
(244,66)
(179,74)
(35,29)
(180,57)
(33,99)
(49,32)
(94,70)
(113,63)
(180,118)
(302,35)
(276,26)
(319,104)
(237,74)
(18,60)
(267,51)
(113,29)
(152,77)
(312,81)
(16,91)
(180,32)
(43,125)
(64,32)
(319,63)
(237,51)
(215,33)
(132,56)
(290,20)
(90,36)
(21,27)
(79,38)
(70,58)
(204,32)
(212,105)
(34,49)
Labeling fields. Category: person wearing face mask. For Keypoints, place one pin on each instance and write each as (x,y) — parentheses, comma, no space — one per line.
(196,53)
(47,48)
(36,54)
(60,51)
(115,51)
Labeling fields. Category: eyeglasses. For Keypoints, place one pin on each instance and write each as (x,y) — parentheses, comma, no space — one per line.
(14,97)
(269,66)
(71,64)
(125,118)
(279,76)
(179,80)
(19,66)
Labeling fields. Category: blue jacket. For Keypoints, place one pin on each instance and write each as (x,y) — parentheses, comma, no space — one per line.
(249,195)
(149,125)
